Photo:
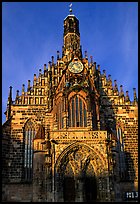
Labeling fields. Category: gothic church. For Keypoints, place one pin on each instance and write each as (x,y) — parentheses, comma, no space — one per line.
(72,135)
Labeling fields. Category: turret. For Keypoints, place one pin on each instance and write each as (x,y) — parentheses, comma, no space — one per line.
(41,168)
(9,103)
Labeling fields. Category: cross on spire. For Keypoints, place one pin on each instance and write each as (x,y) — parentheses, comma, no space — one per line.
(70,10)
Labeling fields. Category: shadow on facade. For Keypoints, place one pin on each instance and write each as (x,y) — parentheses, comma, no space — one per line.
(6,130)
(66,186)
(14,186)
(86,193)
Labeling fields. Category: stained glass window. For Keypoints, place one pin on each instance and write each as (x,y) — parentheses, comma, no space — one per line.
(73,113)
(77,112)
(29,134)
(122,166)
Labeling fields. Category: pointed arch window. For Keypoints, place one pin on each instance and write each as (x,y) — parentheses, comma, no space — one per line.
(29,134)
(77,112)
(122,165)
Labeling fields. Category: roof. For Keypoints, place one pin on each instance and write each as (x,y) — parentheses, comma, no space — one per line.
(70,15)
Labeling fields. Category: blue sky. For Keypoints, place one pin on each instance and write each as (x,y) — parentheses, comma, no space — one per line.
(32,32)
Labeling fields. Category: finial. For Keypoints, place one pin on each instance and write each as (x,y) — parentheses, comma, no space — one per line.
(52,59)
(70,10)
(45,67)
(49,66)
(121,90)
(135,95)
(58,55)
(91,59)
(23,86)
(86,55)
(104,72)
(109,77)
(10,93)
(9,102)
(17,93)
(127,99)
(35,77)
(28,89)
(40,71)
(115,85)
(98,67)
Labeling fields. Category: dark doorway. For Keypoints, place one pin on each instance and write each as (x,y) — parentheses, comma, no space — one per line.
(90,189)
(69,189)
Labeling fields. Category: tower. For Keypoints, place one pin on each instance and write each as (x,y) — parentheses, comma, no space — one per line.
(71,37)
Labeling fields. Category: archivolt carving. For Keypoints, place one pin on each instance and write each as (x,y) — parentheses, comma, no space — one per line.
(80,157)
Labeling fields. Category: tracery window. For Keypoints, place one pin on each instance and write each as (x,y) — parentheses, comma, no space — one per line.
(29,134)
(122,165)
(60,115)
(77,112)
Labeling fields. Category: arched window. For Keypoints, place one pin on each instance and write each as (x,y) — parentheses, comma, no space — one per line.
(29,134)
(122,166)
(77,112)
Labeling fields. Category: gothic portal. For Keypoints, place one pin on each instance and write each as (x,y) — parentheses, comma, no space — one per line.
(72,135)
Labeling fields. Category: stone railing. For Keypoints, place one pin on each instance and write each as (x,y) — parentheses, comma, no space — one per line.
(78,135)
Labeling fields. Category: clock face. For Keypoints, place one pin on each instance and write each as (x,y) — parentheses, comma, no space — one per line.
(75,67)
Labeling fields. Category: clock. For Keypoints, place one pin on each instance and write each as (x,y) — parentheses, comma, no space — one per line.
(75,67)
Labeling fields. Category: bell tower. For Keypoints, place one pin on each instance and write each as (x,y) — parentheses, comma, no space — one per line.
(71,36)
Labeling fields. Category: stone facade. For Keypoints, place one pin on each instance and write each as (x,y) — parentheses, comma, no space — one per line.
(73,135)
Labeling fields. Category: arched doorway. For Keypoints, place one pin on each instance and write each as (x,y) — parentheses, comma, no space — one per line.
(68,184)
(90,189)
(89,184)
(69,189)
(76,171)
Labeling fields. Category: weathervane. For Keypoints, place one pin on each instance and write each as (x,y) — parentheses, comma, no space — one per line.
(70,10)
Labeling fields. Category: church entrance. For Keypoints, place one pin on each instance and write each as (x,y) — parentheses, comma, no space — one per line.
(69,189)
(90,189)
(76,178)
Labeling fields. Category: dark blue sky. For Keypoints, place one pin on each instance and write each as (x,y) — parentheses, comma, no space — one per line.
(33,31)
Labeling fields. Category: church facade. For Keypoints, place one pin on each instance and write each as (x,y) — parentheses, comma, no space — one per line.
(72,135)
